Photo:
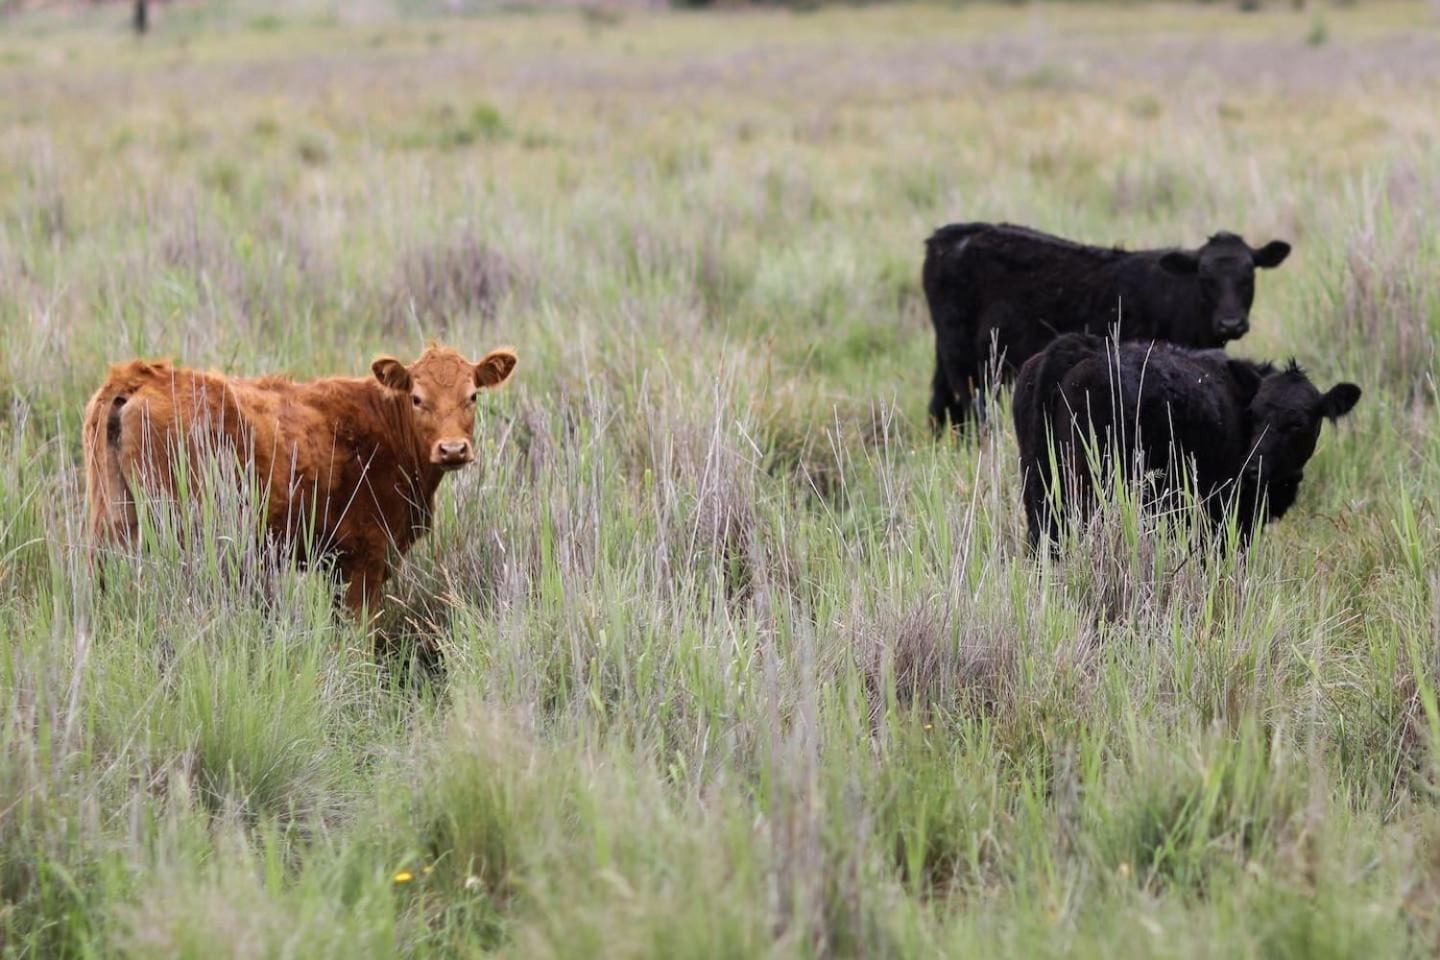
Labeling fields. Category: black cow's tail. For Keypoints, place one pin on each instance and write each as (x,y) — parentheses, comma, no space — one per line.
(954,306)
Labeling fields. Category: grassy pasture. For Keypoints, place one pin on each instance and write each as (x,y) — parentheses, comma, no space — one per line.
(737,661)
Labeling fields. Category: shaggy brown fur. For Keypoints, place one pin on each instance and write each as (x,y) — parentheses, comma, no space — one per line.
(349,465)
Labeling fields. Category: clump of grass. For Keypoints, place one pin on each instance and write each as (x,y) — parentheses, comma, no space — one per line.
(1148,190)
(487,799)
(447,126)
(314,148)
(935,805)
(265,127)
(952,663)
(721,275)
(248,280)
(437,286)
(1180,820)
(1381,301)
(237,907)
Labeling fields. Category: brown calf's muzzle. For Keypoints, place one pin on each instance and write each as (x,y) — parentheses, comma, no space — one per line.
(452,454)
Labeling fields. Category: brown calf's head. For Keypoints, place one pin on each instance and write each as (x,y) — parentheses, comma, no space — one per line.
(443,386)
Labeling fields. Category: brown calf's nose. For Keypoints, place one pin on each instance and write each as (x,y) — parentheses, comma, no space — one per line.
(453,451)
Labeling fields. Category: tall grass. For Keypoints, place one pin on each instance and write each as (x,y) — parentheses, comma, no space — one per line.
(728,658)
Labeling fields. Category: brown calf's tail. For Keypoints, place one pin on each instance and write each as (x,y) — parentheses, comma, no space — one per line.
(112,509)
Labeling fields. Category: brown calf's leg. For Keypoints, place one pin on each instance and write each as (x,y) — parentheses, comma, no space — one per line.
(364,586)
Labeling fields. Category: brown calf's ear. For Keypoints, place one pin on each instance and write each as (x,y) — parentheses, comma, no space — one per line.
(1339,400)
(495,367)
(392,373)
(1271,255)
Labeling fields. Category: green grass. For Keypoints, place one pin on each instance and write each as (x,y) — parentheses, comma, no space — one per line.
(736,661)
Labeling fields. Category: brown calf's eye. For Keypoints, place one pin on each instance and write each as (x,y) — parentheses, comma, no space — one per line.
(415,399)
(475,396)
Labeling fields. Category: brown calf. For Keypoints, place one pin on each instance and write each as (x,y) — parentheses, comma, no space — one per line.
(353,462)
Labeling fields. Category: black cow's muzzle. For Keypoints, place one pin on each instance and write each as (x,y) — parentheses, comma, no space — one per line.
(1232,328)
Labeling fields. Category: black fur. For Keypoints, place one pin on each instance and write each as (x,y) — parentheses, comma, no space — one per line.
(999,293)
(1246,430)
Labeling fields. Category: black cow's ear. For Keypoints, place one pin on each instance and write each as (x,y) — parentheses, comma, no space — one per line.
(392,373)
(1179,261)
(1272,254)
(1247,377)
(1340,400)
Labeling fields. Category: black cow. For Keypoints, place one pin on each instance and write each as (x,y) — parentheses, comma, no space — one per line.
(1244,430)
(1002,291)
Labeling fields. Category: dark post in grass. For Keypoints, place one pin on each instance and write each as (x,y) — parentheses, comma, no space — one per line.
(142,17)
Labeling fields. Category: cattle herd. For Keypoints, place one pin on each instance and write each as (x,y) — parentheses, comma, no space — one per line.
(1117,358)
(1121,363)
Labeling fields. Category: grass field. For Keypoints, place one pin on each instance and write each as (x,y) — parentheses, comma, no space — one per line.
(736,661)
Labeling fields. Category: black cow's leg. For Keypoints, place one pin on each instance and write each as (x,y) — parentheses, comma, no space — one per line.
(962,405)
(962,381)
(1041,524)
(940,398)
(990,366)
(1035,518)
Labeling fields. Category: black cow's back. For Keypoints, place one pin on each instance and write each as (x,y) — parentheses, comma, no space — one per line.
(1000,293)
(1167,402)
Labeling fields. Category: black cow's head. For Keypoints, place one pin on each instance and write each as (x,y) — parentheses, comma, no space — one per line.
(1225,269)
(1283,417)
